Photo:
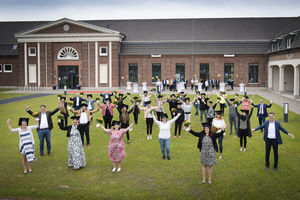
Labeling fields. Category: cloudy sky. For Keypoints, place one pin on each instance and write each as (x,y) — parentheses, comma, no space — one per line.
(11,10)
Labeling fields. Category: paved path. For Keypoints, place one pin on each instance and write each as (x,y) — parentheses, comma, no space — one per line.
(14,99)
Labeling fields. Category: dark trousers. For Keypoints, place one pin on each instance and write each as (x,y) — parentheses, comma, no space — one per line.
(124,126)
(159,114)
(261,120)
(136,117)
(178,125)
(173,114)
(209,120)
(85,130)
(232,121)
(245,141)
(222,106)
(107,121)
(220,141)
(271,143)
(149,123)
(66,120)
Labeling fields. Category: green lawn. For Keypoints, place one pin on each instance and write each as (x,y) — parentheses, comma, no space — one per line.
(240,175)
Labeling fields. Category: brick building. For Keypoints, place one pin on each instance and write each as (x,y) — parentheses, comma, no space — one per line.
(108,53)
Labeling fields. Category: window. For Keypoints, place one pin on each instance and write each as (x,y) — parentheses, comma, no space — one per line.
(228,71)
(279,42)
(204,71)
(253,73)
(274,46)
(15,46)
(156,72)
(7,67)
(103,73)
(133,72)
(289,41)
(103,51)
(180,72)
(31,51)
(67,53)
(32,73)
(0,68)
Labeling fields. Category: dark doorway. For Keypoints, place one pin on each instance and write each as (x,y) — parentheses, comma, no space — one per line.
(68,75)
(204,71)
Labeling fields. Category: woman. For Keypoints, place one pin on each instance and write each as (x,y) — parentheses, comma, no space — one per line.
(244,128)
(107,112)
(76,156)
(172,104)
(211,112)
(116,146)
(220,124)
(160,109)
(145,97)
(136,110)
(124,119)
(64,109)
(246,104)
(26,144)
(187,107)
(149,118)
(207,146)
(164,134)
(222,102)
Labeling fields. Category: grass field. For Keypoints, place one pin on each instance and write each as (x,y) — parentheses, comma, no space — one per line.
(239,175)
(10,95)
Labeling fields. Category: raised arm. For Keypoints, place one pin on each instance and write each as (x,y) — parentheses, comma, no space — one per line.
(254,105)
(61,125)
(104,129)
(94,111)
(129,127)
(175,118)
(55,111)
(196,97)
(251,112)
(269,106)
(9,125)
(197,134)
(28,110)
(282,129)
(214,106)
(228,103)
(236,111)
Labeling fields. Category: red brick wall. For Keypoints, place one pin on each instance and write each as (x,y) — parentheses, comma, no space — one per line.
(9,78)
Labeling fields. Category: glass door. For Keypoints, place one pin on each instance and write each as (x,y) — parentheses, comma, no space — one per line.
(228,72)
(68,75)
(204,71)
(180,72)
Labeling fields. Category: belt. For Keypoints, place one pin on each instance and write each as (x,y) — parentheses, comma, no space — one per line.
(44,128)
(187,113)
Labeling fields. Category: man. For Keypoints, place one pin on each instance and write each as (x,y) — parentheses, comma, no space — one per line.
(85,118)
(203,106)
(262,111)
(77,101)
(158,86)
(90,102)
(180,120)
(172,104)
(45,127)
(232,114)
(164,82)
(217,84)
(272,138)
(106,96)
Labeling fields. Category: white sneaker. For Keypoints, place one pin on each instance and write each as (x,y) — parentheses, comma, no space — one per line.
(150,137)
(119,169)
(114,169)
(244,149)
(241,149)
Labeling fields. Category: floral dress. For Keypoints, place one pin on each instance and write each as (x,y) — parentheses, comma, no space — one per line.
(76,156)
(207,154)
(116,146)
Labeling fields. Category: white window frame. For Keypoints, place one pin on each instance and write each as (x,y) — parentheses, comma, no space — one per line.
(29,51)
(103,54)
(103,69)
(8,71)
(288,42)
(0,67)
(32,77)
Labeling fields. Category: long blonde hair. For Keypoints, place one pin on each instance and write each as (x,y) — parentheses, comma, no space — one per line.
(62,108)
(124,116)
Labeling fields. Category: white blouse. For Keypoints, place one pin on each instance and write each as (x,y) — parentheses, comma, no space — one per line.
(219,124)
(164,129)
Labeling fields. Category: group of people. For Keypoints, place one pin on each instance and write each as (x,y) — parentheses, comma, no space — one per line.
(180,107)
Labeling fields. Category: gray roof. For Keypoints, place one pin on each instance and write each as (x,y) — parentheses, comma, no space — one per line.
(181,36)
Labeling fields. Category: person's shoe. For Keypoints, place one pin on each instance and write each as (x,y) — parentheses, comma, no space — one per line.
(89,145)
(150,137)
(41,155)
(174,136)
(220,157)
(49,154)
(266,168)
(275,169)
(241,149)
(209,182)
(230,133)
(25,172)
(168,157)
(114,169)
(147,137)
(179,136)
(30,171)
(164,157)
(119,169)
(244,149)
(203,181)
(128,142)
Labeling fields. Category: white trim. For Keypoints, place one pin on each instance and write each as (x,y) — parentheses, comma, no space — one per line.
(294,62)
(68,49)
(96,64)
(103,73)
(46,60)
(32,73)
(89,65)
(39,64)
(29,51)
(110,64)
(100,52)
(25,64)
(281,78)
(296,81)
(0,67)
(200,41)
(7,71)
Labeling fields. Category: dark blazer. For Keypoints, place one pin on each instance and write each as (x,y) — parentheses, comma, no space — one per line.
(68,128)
(265,106)
(248,121)
(74,99)
(201,135)
(108,95)
(277,128)
(48,114)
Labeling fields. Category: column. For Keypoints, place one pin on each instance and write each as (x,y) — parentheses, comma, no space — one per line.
(39,64)
(96,64)
(270,78)
(296,81)
(110,64)
(25,64)
(281,78)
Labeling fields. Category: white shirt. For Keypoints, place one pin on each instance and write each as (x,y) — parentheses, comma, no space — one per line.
(261,110)
(271,132)
(187,108)
(164,129)
(219,124)
(77,102)
(89,106)
(83,118)
(44,121)
(167,82)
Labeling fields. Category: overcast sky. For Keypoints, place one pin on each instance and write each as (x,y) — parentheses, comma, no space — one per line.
(12,10)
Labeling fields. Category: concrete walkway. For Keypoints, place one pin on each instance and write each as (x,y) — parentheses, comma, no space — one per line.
(294,104)
(14,99)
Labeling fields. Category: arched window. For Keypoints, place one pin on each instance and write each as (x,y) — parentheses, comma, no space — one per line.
(67,53)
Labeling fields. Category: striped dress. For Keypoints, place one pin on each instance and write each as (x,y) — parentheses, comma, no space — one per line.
(26,144)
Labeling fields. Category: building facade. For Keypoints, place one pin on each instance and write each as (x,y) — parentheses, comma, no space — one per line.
(260,52)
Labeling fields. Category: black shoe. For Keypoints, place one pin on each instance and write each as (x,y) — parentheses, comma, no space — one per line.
(41,154)
(164,157)
(49,154)
(275,169)
(168,158)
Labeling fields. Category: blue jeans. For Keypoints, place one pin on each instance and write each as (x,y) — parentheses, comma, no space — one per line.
(165,145)
(220,141)
(203,112)
(197,109)
(44,134)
